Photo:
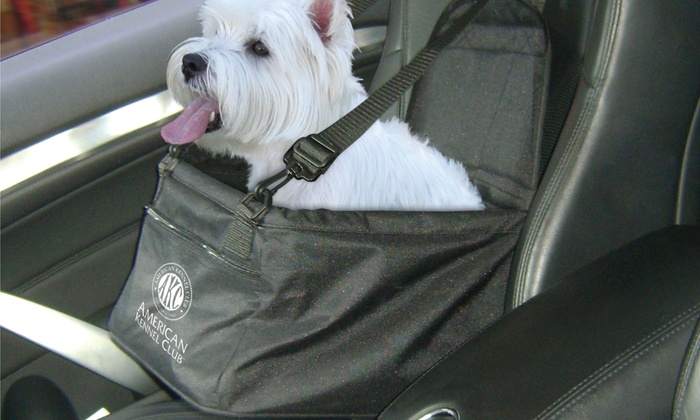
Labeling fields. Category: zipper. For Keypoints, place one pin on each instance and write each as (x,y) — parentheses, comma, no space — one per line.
(193,240)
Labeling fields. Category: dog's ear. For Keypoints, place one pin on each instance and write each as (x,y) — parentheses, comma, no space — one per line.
(326,16)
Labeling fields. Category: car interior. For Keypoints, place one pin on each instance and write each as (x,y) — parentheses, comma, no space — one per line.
(602,300)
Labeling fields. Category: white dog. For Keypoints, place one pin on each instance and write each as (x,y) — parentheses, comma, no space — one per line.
(268,72)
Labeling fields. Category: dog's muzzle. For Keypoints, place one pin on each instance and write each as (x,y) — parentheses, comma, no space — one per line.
(193,65)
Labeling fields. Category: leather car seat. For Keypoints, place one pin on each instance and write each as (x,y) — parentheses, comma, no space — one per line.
(687,402)
(622,113)
(620,162)
(624,162)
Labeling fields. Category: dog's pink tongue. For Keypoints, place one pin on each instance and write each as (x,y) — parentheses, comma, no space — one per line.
(191,124)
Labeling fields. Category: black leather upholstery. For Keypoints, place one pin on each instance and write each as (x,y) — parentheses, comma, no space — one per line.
(689,194)
(614,175)
(607,344)
(687,403)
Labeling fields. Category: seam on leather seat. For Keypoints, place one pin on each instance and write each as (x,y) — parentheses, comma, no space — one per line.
(689,366)
(620,362)
(564,165)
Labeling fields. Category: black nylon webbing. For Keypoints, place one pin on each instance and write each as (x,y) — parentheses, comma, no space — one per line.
(311,156)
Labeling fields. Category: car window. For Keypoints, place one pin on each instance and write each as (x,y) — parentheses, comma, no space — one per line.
(26,23)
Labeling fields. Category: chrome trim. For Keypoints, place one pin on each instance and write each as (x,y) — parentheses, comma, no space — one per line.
(73,143)
(76,340)
(76,142)
(99,414)
(441,414)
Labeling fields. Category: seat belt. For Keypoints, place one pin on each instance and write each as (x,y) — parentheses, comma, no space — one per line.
(75,340)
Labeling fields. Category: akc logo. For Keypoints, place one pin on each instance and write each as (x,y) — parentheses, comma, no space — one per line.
(172,291)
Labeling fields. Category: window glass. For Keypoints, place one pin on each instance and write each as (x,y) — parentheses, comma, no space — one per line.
(26,23)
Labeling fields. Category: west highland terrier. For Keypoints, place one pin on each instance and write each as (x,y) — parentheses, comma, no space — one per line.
(268,72)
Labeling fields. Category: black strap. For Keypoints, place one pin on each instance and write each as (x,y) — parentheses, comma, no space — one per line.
(311,156)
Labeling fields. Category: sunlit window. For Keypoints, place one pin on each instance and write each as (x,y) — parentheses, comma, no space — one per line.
(26,23)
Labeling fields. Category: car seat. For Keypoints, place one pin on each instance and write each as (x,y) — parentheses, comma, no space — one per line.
(626,158)
(603,251)
(622,112)
(603,294)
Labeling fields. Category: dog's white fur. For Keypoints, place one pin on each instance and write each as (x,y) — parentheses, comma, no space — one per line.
(304,85)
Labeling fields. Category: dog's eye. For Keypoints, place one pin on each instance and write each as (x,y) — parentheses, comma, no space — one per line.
(259,49)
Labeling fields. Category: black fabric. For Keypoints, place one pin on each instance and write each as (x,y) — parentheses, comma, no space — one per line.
(494,78)
(233,172)
(331,312)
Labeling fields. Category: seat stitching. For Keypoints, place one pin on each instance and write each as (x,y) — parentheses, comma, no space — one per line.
(574,145)
(620,362)
(687,372)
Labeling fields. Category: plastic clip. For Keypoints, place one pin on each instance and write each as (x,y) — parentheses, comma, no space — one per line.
(266,201)
(309,158)
(263,188)
(175,153)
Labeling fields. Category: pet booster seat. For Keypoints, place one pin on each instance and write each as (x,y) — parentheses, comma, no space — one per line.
(243,308)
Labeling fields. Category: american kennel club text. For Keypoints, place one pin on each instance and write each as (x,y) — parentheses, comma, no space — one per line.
(172,296)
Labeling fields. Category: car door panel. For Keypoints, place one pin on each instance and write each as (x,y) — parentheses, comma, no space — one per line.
(81,75)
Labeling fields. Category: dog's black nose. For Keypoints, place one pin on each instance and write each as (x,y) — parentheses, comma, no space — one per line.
(192,65)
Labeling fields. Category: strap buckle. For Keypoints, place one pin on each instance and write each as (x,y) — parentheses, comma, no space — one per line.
(309,158)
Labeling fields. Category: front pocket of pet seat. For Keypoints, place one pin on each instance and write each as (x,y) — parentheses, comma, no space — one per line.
(182,310)
(361,304)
